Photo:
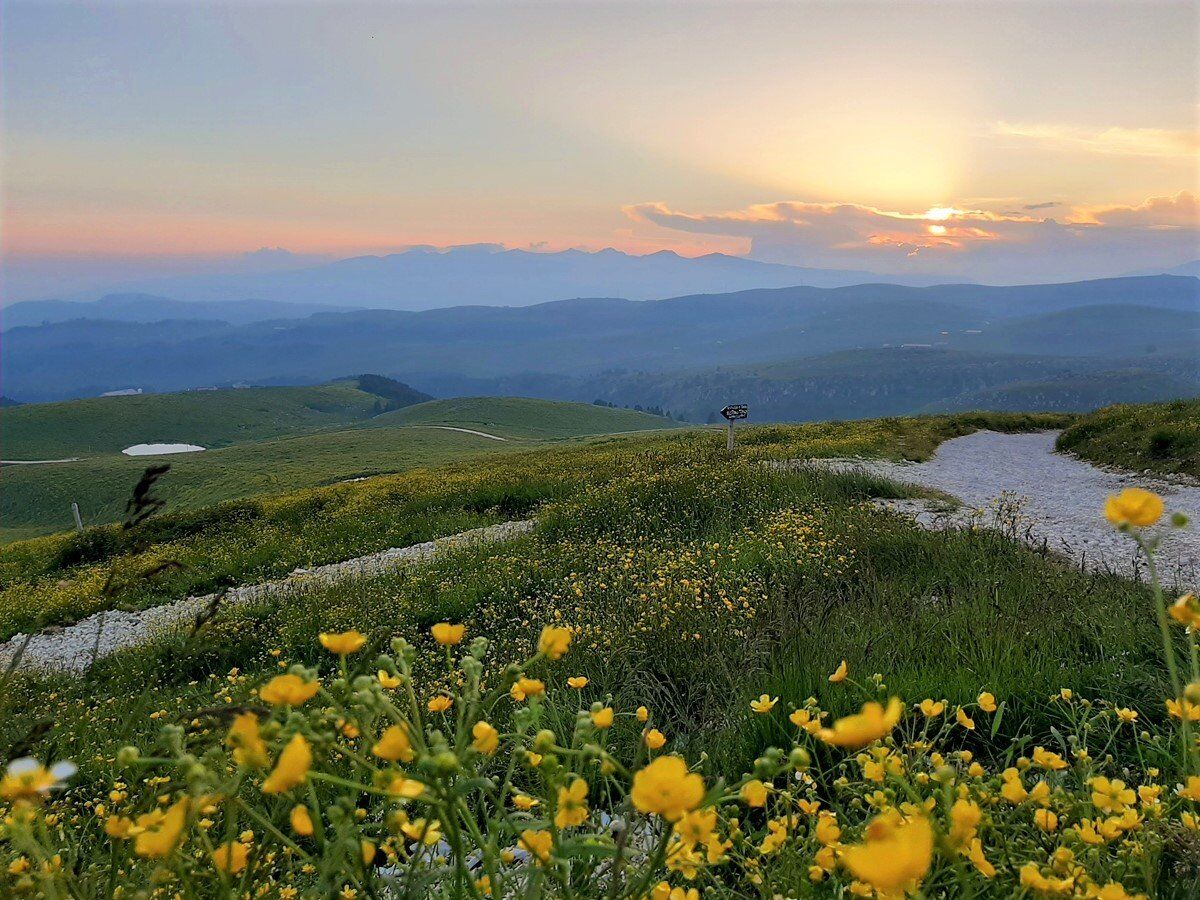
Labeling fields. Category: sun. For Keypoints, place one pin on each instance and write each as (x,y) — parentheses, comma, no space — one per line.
(941,213)
(937,229)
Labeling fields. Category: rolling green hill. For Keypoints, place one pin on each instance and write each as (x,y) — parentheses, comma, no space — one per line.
(522,417)
(37,499)
(1159,437)
(210,419)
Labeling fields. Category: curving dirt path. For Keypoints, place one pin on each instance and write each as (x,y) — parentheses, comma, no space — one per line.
(1016,482)
(74,648)
(482,434)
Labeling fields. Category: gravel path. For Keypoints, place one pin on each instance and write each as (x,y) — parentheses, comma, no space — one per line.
(482,434)
(1016,482)
(72,649)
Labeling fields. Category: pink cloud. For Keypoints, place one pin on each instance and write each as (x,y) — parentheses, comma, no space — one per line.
(974,243)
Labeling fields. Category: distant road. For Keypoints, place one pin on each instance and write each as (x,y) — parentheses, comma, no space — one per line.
(482,434)
(36,462)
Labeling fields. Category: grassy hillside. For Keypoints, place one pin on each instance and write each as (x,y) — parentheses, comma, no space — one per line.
(521,417)
(208,418)
(37,499)
(1156,437)
(692,584)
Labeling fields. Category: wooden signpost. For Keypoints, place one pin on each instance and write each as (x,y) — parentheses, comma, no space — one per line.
(732,413)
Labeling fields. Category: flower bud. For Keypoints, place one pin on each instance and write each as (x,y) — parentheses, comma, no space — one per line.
(128,755)
(799,759)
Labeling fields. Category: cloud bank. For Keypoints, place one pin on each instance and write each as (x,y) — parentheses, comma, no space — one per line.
(1002,247)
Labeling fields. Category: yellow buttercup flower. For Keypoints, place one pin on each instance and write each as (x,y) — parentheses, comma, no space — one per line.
(538,843)
(119,827)
(428,833)
(301,820)
(440,703)
(405,788)
(524,688)
(343,643)
(839,674)
(931,709)
(1186,611)
(754,793)
(249,749)
(231,857)
(579,682)
(654,739)
(292,768)
(895,855)
(979,861)
(603,718)
(1048,759)
(764,704)
(1111,794)
(697,827)
(572,804)
(448,635)
(388,681)
(288,690)
(524,802)
(1177,709)
(964,720)
(1134,506)
(27,779)
(159,831)
(1191,790)
(643,714)
(987,702)
(860,729)
(394,745)
(1045,820)
(965,817)
(486,738)
(667,788)
(554,641)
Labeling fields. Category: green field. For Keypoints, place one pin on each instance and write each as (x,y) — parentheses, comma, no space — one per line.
(693,583)
(1155,437)
(36,500)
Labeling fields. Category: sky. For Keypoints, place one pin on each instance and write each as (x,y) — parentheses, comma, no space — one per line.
(997,139)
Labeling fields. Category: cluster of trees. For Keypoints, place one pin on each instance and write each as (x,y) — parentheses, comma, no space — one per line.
(637,407)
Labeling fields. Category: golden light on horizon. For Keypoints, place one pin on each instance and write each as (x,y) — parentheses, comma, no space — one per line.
(937,229)
(941,213)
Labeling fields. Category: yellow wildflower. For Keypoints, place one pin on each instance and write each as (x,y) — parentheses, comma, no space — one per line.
(986,702)
(288,690)
(231,857)
(159,830)
(979,861)
(1111,795)
(654,739)
(572,804)
(1047,759)
(754,793)
(448,635)
(27,779)
(301,820)
(249,749)
(964,720)
(486,738)
(931,709)
(1133,506)
(292,768)
(388,681)
(440,703)
(839,674)
(343,643)
(870,724)
(895,855)
(526,687)
(764,704)
(538,843)
(554,641)
(394,745)
(578,682)
(1190,791)
(667,788)
(603,718)
(524,802)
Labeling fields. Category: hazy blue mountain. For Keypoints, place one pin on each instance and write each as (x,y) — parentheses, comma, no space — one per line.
(1188,268)
(590,336)
(427,278)
(149,308)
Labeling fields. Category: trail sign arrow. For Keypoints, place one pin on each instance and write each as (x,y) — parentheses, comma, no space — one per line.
(735,411)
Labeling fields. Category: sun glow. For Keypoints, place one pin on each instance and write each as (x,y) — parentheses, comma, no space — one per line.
(937,229)
(941,213)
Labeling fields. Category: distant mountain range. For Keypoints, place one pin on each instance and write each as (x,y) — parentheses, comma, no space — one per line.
(797,352)
(149,308)
(484,275)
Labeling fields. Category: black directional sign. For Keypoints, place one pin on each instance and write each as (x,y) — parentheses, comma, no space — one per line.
(735,411)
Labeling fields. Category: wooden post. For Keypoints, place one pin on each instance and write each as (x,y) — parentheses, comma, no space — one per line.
(729,437)
(75,512)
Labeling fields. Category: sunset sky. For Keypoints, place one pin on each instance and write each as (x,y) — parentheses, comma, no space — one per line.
(1003,140)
